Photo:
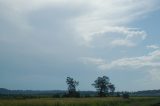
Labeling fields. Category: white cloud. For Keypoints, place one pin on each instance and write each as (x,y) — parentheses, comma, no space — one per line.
(152,47)
(130,36)
(122,42)
(96,61)
(151,61)
(99,19)
(150,64)
(113,36)
(112,14)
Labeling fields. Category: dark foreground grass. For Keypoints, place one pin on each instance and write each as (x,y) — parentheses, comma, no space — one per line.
(108,101)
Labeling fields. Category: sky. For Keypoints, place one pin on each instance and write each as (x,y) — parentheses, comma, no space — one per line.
(44,41)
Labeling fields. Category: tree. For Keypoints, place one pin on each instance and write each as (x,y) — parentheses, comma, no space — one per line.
(72,87)
(111,88)
(103,85)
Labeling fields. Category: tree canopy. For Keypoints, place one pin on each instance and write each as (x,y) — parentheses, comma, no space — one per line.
(72,86)
(103,86)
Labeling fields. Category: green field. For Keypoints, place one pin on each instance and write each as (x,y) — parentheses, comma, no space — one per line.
(107,101)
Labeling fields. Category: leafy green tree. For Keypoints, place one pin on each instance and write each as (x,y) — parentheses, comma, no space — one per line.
(72,84)
(111,88)
(103,85)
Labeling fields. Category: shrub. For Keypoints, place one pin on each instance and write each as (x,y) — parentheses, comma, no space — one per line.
(125,95)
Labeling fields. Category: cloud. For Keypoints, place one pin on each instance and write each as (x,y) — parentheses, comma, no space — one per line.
(148,64)
(152,60)
(40,36)
(130,36)
(122,42)
(154,75)
(96,61)
(38,29)
(58,26)
(113,36)
(97,19)
(118,36)
(152,47)
(150,80)
(112,15)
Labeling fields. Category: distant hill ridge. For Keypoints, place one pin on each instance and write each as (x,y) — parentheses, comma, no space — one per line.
(7,91)
(4,91)
(147,93)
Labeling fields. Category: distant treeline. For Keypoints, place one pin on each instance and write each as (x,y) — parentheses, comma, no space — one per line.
(24,94)
(146,93)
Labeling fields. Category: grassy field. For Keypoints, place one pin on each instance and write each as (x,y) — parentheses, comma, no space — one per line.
(108,101)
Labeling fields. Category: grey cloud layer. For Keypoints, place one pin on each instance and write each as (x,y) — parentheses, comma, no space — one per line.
(89,23)
(40,37)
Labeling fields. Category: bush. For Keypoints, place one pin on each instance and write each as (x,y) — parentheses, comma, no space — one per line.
(125,95)
(56,96)
(75,94)
(118,94)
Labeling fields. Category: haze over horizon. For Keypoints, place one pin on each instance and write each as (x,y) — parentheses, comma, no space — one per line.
(44,41)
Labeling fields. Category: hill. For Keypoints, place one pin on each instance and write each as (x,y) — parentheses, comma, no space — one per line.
(4,91)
